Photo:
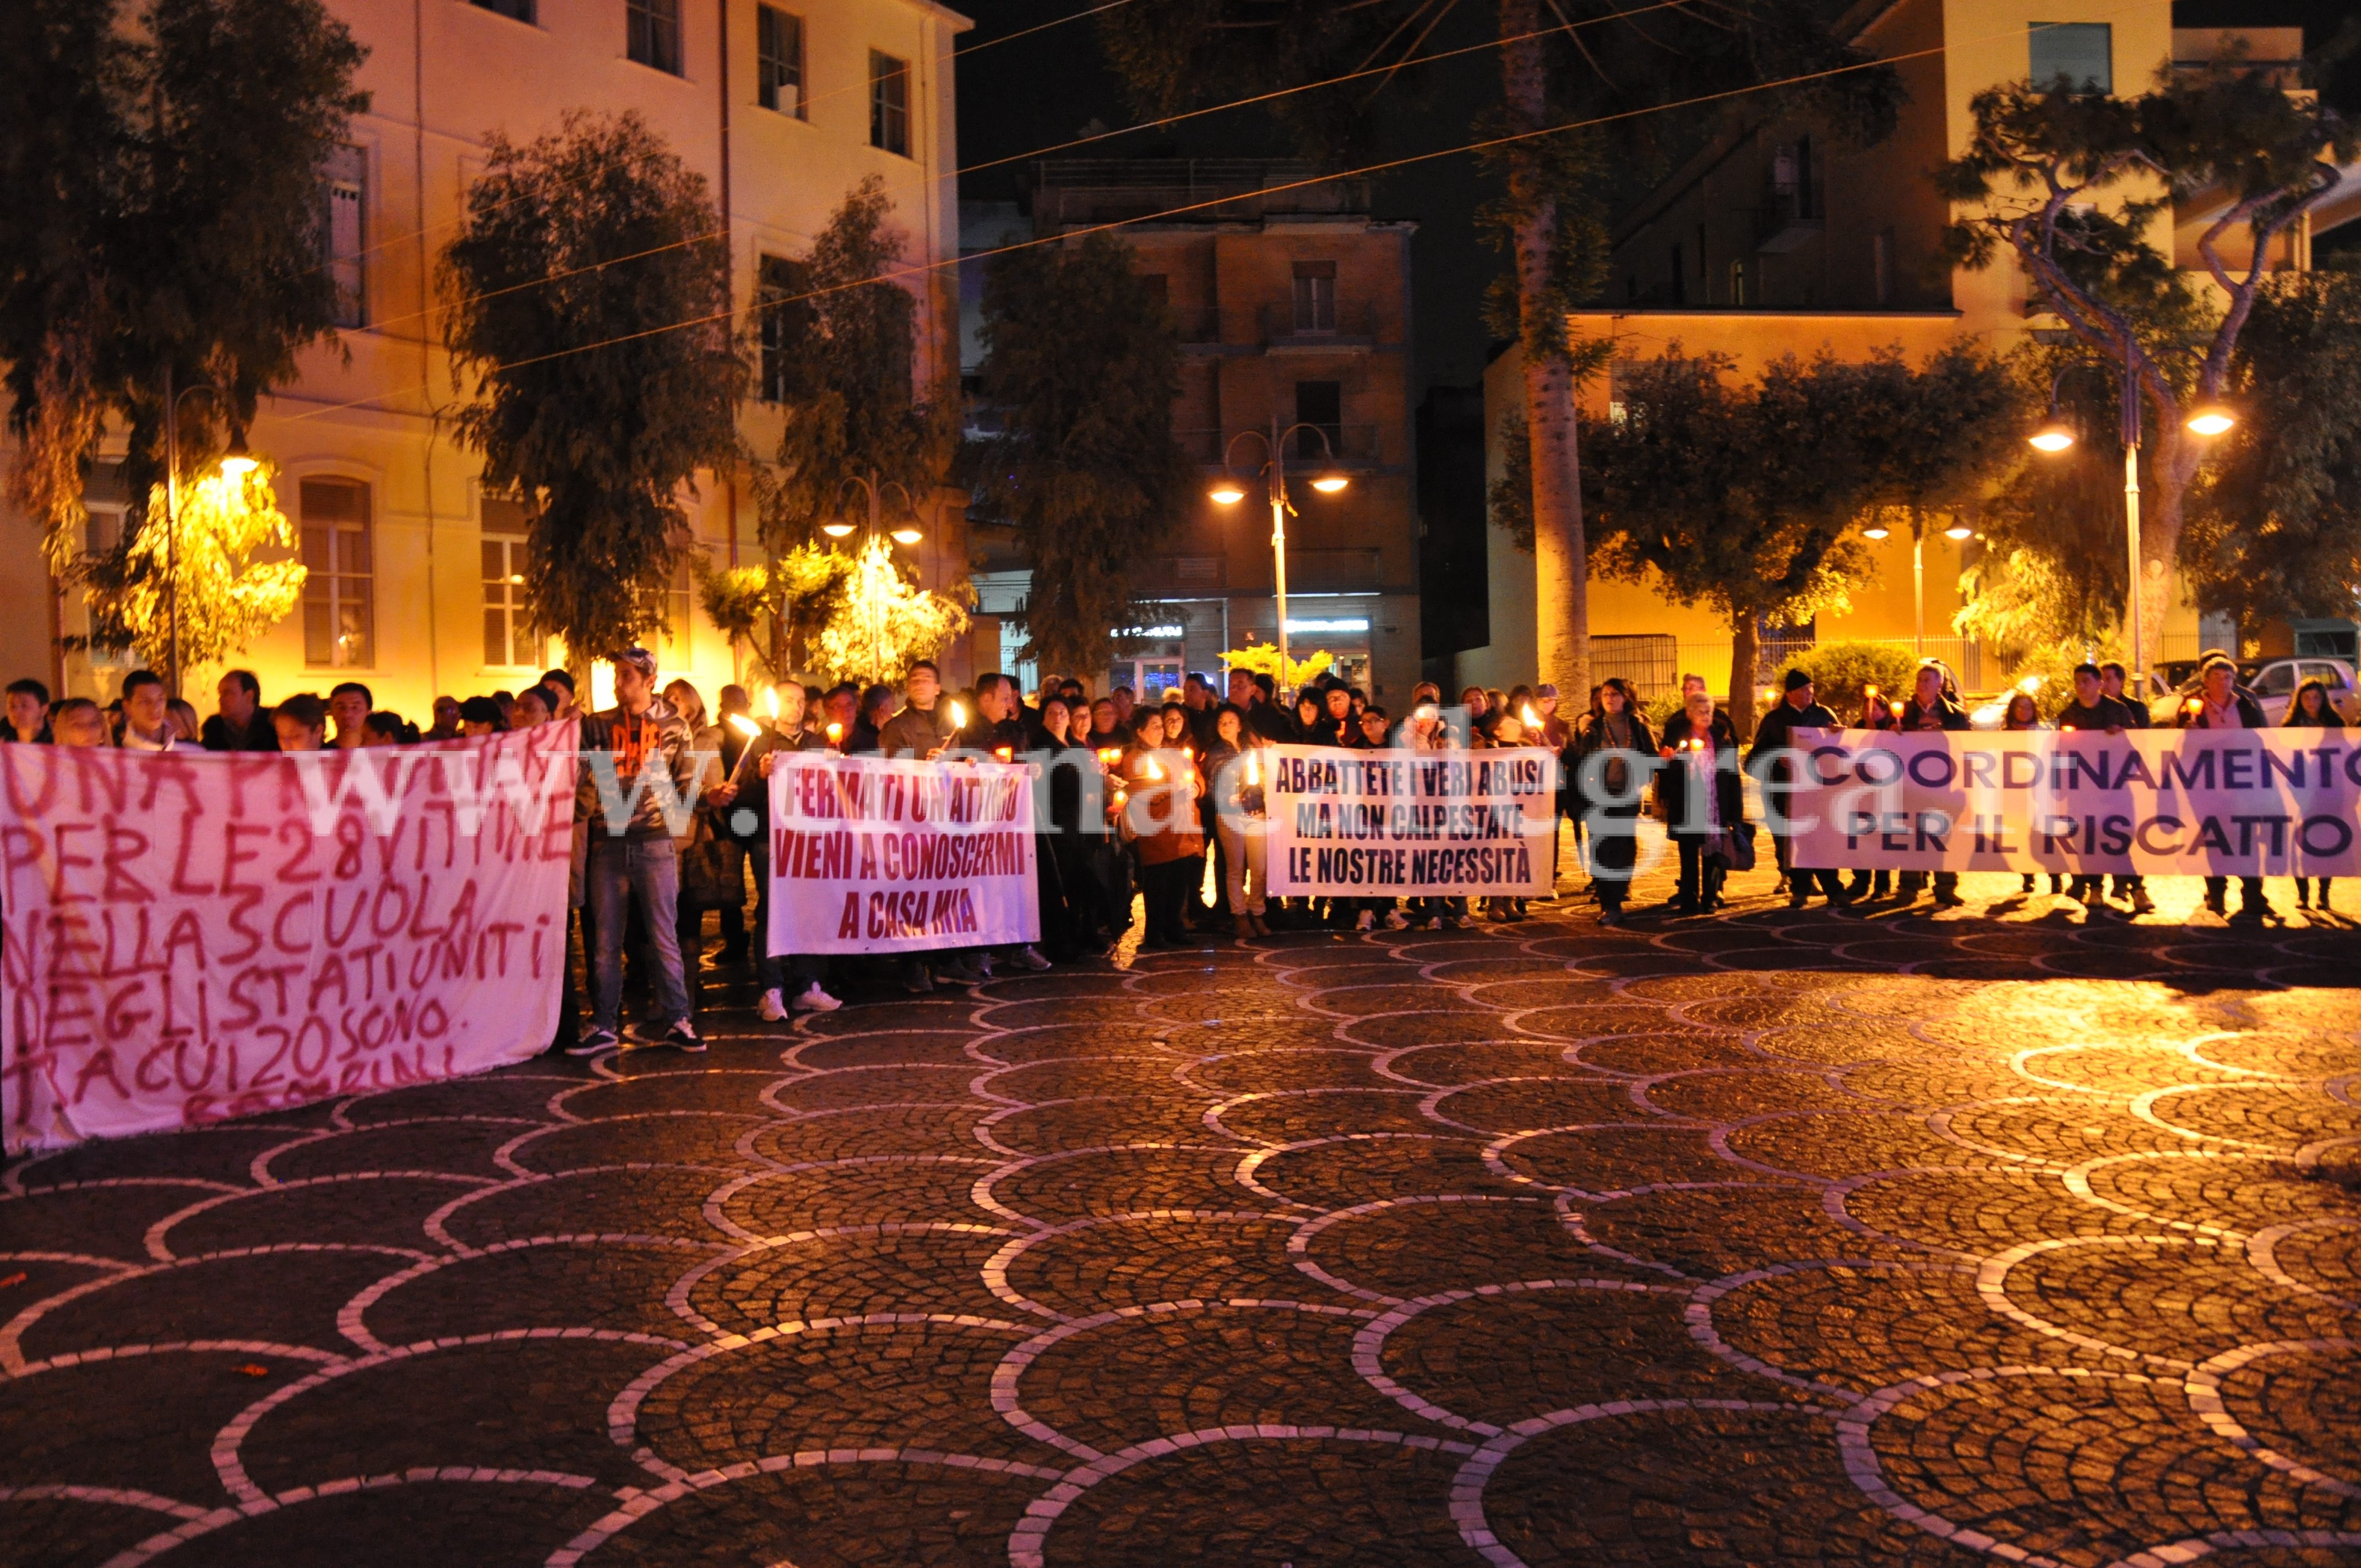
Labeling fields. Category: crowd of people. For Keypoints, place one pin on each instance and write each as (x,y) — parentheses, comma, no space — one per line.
(1153,803)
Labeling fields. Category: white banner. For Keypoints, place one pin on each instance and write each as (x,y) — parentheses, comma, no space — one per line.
(1410,824)
(2159,802)
(878,855)
(191,936)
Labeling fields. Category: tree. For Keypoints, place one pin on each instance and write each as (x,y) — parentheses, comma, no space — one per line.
(839,346)
(579,254)
(1740,498)
(2275,522)
(227,597)
(780,608)
(886,621)
(1084,364)
(2073,185)
(1553,178)
(159,214)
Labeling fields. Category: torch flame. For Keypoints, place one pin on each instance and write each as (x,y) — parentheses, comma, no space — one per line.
(744,726)
(959,715)
(1533,720)
(771,701)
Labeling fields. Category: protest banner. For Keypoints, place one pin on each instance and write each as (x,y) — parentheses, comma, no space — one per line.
(893,855)
(2154,802)
(1411,823)
(190,936)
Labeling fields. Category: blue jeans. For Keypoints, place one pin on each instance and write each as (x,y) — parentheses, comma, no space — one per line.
(623,872)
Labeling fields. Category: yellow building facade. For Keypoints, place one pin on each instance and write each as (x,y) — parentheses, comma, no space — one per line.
(1778,238)
(782,108)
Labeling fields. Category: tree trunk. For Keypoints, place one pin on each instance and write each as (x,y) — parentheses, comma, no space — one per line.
(1561,556)
(1745,648)
(2161,517)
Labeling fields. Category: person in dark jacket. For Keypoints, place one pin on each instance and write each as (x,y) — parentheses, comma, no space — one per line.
(1799,709)
(2310,709)
(790,982)
(28,714)
(1878,713)
(1699,745)
(2220,703)
(1931,708)
(2094,709)
(2111,683)
(243,724)
(1612,756)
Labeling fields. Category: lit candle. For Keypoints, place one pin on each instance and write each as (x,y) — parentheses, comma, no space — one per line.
(835,733)
(1253,777)
(2066,730)
(1533,719)
(1002,752)
(1897,710)
(958,716)
(1153,771)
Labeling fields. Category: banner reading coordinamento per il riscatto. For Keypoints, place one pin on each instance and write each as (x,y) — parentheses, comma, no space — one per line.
(1411,823)
(2157,802)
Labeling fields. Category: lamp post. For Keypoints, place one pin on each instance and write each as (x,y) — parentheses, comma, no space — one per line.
(1227,491)
(2208,420)
(873,489)
(1957,532)
(236,463)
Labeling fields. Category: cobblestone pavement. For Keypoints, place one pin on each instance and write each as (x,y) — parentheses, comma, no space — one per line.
(1756,1240)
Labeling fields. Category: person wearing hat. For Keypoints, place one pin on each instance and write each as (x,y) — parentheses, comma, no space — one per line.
(1931,708)
(1800,708)
(2222,703)
(630,862)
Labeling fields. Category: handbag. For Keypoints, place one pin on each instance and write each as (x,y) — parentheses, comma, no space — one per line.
(712,875)
(1737,846)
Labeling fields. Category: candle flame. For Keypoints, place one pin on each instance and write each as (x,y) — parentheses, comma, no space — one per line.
(834,732)
(1153,771)
(744,726)
(958,716)
(1004,754)
(1896,708)
(1530,716)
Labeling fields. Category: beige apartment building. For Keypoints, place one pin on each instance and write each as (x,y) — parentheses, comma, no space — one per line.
(782,108)
(1779,239)
(1293,308)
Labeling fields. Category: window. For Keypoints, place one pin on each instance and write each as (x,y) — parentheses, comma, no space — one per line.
(343,202)
(889,104)
(1320,403)
(508,640)
(515,10)
(1315,296)
(2081,52)
(1881,265)
(779,59)
(339,630)
(1738,283)
(675,619)
(784,317)
(1791,178)
(652,33)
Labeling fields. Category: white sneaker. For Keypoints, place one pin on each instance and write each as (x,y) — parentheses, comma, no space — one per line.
(772,1008)
(1394,921)
(1031,957)
(1367,922)
(815,1000)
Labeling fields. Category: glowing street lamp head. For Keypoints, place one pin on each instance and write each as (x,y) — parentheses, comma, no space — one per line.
(1227,492)
(1875,530)
(1328,484)
(237,462)
(1959,531)
(906,536)
(2211,420)
(836,529)
(2052,437)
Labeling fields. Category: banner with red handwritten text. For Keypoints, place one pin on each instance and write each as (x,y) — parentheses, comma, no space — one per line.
(190,936)
(881,855)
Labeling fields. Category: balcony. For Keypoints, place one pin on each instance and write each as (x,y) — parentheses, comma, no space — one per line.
(1350,329)
(1356,446)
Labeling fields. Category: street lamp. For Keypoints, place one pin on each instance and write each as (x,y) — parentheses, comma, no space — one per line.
(235,463)
(2207,420)
(1227,491)
(1875,529)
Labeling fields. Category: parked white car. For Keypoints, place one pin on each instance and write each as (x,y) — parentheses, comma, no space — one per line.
(2273,682)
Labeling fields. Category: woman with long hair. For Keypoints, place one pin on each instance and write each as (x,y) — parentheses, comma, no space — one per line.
(1236,769)
(1612,758)
(1703,797)
(2310,709)
(1161,814)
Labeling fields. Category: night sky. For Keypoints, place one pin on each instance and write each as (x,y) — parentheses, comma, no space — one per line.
(1034,93)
